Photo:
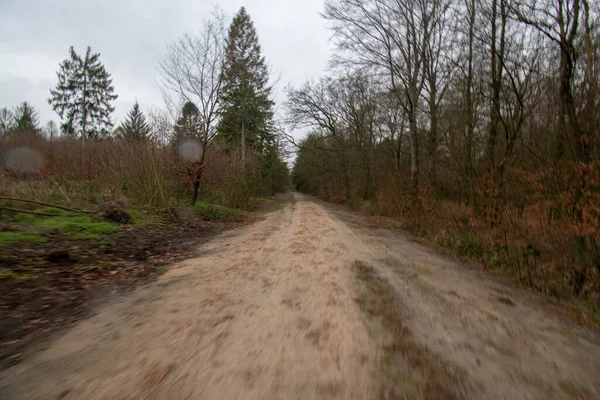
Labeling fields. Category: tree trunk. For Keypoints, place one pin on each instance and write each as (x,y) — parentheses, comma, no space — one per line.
(414,157)
(196,188)
(398,154)
(432,145)
(198,177)
(243,149)
(470,128)
(346,178)
(369,191)
(582,151)
(496,77)
(84,120)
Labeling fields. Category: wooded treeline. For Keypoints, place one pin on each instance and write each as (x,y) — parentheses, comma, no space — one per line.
(476,123)
(216,137)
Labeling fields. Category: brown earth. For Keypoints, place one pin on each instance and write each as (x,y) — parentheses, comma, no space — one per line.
(60,281)
(314,303)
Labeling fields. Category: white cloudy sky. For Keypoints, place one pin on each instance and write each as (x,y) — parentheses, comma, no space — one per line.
(131,35)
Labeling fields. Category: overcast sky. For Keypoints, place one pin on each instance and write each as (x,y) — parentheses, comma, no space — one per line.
(131,35)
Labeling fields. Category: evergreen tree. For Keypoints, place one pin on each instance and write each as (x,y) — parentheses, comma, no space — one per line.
(247,110)
(83,95)
(134,127)
(189,124)
(26,119)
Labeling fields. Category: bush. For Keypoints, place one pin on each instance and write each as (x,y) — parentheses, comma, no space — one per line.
(215,212)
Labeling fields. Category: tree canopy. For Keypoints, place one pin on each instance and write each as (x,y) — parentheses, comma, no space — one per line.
(84,95)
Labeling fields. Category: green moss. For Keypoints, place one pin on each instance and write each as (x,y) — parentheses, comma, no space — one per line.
(135,214)
(11,237)
(75,224)
(51,210)
(17,217)
(76,227)
(142,220)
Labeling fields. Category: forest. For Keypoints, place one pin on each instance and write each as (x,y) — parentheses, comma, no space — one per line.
(88,203)
(404,205)
(473,125)
(215,139)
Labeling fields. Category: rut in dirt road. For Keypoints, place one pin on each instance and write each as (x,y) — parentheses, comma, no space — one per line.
(313,303)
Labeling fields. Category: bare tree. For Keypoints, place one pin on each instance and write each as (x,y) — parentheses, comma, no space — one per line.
(318,105)
(51,131)
(470,109)
(391,125)
(437,72)
(390,36)
(497,53)
(562,22)
(359,104)
(161,126)
(191,70)
(7,121)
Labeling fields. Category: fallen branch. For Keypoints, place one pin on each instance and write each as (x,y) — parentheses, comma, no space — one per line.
(45,204)
(31,212)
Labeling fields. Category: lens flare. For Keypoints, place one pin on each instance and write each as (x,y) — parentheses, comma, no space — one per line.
(23,160)
(189,150)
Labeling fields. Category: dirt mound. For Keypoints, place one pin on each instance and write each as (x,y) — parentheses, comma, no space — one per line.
(114,213)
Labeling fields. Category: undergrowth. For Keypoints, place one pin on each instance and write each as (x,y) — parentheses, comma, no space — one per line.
(35,229)
(218,213)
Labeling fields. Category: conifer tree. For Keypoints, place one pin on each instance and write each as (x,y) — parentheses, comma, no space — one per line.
(134,127)
(247,110)
(26,119)
(83,96)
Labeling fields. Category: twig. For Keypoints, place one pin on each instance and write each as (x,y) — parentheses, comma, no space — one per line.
(30,212)
(45,204)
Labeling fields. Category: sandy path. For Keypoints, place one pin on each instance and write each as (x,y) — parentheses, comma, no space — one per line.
(269,311)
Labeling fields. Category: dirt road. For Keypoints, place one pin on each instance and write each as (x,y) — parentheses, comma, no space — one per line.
(313,303)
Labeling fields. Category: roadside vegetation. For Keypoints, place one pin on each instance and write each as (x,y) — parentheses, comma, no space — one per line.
(473,125)
(87,205)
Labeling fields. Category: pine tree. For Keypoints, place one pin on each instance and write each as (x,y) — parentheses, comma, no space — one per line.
(26,119)
(134,127)
(247,110)
(83,95)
